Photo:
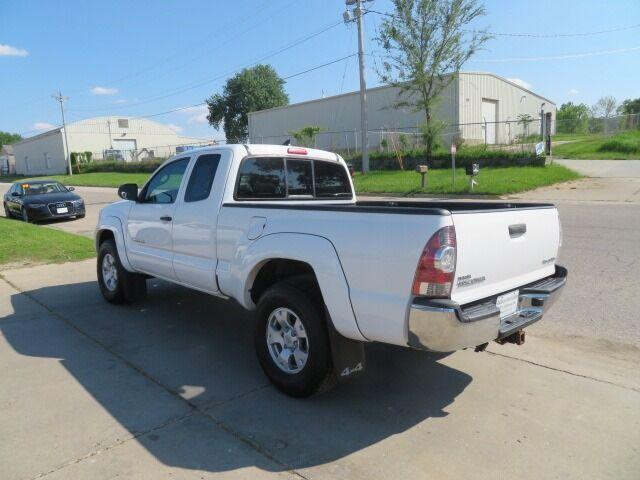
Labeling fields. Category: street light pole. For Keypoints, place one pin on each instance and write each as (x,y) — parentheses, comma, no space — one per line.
(364,127)
(62,99)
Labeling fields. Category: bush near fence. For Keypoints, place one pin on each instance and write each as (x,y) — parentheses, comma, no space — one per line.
(146,166)
(442,159)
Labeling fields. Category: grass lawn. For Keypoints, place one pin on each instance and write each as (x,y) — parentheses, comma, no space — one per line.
(101,179)
(24,243)
(491,181)
(622,146)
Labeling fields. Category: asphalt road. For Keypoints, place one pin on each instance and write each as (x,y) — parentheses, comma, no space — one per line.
(170,387)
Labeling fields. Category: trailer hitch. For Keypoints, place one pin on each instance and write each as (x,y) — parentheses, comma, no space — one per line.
(515,337)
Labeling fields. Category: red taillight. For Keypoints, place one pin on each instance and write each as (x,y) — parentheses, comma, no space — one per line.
(297,151)
(437,266)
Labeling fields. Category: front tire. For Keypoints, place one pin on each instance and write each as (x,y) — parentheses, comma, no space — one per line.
(7,212)
(292,342)
(117,285)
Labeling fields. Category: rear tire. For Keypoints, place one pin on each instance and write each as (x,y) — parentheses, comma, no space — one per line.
(117,285)
(292,342)
(80,216)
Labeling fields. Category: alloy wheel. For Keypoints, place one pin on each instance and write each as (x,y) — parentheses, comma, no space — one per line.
(287,340)
(109,272)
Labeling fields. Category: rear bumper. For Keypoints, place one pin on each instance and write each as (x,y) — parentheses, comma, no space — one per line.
(445,326)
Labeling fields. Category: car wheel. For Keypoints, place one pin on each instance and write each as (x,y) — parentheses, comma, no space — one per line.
(80,216)
(292,342)
(7,212)
(117,285)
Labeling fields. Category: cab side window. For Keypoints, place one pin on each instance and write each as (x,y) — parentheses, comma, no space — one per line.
(165,184)
(201,179)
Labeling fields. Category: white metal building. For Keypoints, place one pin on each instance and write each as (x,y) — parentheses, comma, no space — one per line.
(123,138)
(477,107)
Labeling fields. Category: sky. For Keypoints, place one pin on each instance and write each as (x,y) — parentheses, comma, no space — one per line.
(144,58)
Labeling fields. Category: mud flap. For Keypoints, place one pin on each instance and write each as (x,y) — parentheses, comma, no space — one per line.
(347,355)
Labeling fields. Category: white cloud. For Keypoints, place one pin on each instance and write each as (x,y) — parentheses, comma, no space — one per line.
(9,51)
(196,114)
(520,82)
(120,101)
(175,128)
(43,126)
(573,91)
(104,91)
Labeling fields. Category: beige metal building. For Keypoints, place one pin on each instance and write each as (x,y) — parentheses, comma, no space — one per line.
(477,107)
(121,138)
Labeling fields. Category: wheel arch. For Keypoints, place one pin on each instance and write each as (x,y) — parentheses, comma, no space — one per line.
(111,228)
(279,256)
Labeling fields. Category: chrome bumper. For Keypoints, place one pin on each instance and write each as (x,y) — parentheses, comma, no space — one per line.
(445,326)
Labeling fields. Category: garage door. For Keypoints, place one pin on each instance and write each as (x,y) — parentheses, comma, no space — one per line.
(127,147)
(489,116)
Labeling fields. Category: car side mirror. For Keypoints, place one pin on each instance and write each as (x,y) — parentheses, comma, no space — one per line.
(71,189)
(128,191)
(15,194)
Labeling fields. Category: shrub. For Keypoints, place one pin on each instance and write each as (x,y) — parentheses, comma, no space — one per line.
(146,166)
(442,159)
(621,145)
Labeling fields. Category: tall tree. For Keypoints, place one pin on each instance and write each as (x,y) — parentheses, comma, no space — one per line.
(630,106)
(605,107)
(7,138)
(426,43)
(252,89)
(573,118)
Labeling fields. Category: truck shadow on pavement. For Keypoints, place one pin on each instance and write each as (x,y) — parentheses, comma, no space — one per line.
(179,373)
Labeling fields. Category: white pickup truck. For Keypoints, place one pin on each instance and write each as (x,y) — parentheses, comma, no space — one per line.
(278,229)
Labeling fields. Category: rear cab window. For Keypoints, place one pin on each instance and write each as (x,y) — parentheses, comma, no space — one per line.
(281,178)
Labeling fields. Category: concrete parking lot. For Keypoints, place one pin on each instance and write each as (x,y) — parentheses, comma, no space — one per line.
(170,387)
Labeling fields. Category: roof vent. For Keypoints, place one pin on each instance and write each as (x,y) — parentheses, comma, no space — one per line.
(123,123)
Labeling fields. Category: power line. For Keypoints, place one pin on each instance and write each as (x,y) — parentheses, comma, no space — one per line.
(556,57)
(218,77)
(228,38)
(532,35)
(297,74)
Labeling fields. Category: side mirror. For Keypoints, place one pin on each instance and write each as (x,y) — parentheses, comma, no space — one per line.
(128,191)
(15,194)
(71,189)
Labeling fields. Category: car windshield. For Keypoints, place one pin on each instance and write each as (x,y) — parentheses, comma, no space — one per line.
(42,188)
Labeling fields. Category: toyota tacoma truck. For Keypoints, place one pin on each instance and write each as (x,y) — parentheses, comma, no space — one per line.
(279,229)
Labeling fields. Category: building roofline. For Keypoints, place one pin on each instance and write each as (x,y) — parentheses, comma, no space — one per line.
(506,80)
(382,87)
(40,135)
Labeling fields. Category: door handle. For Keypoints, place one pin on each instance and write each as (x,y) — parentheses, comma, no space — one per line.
(166,218)
(517,230)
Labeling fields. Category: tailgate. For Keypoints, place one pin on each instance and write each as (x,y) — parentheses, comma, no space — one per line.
(499,251)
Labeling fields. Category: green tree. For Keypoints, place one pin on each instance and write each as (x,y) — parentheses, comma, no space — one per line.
(306,136)
(573,118)
(525,120)
(426,43)
(7,138)
(630,106)
(252,89)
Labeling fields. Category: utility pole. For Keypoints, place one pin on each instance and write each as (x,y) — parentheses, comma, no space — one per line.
(62,99)
(364,127)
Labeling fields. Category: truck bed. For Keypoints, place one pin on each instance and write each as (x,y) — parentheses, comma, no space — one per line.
(433,207)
